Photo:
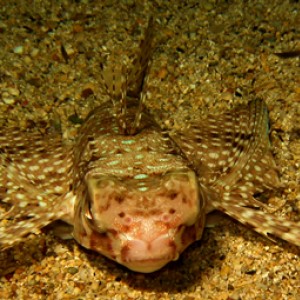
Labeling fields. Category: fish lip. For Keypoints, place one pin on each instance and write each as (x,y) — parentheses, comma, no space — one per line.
(148,265)
(145,265)
(150,260)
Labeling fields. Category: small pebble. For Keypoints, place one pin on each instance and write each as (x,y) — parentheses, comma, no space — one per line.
(9,100)
(72,270)
(18,50)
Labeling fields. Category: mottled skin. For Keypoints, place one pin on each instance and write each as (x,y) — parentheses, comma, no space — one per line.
(139,202)
(133,192)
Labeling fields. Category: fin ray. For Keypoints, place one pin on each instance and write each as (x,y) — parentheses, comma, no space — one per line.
(121,81)
(227,148)
(264,223)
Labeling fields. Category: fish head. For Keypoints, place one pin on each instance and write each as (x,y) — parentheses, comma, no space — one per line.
(141,226)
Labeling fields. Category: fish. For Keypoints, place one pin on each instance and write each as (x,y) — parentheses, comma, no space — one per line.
(132,191)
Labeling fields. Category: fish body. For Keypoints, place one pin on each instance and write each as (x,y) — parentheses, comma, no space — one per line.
(137,200)
(133,192)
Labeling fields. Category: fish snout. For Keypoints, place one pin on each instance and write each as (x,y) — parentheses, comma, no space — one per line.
(148,256)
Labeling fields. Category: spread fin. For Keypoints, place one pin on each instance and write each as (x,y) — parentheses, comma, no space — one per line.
(264,223)
(231,154)
(34,180)
(231,151)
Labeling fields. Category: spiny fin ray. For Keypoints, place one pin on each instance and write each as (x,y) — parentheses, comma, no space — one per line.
(264,223)
(12,233)
(231,148)
(121,81)
(35,179)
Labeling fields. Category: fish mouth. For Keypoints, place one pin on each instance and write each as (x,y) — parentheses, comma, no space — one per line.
(146,265)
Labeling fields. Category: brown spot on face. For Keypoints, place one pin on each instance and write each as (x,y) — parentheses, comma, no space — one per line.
(122,214)
(102,208)
(155,211)
(189,235)
(172,211)
(124,253)
(101,241)
(125,228)
(173,195)
(112,232)
(119,198)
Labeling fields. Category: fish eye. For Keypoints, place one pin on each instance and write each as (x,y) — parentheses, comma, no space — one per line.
(89,217)
(87,209)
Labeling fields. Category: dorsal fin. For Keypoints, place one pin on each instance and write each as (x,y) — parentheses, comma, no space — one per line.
(121,82)
(140,63)
(114,79)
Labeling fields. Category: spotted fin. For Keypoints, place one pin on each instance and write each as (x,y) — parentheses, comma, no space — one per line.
(34,181)
(141,63)
(128,79)
(231,154)
(264,223)
(231,151)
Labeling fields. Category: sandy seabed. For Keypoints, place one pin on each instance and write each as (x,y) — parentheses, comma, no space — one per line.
(209,55)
